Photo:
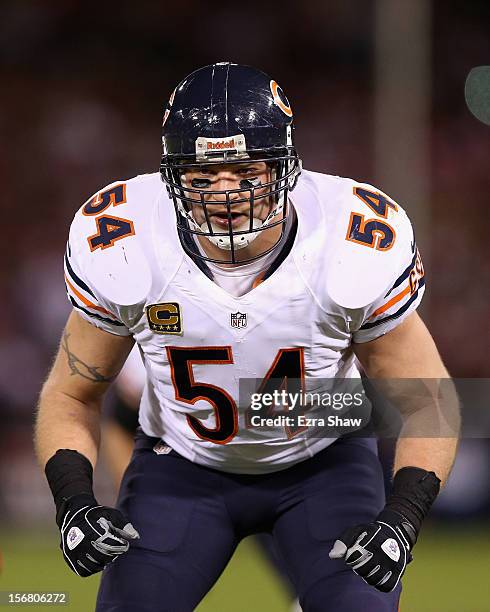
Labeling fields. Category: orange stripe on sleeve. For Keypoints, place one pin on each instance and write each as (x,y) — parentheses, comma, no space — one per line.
(86,301)
(391,302)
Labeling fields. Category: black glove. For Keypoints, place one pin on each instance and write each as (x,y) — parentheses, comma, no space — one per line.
(91,535)
(379,551)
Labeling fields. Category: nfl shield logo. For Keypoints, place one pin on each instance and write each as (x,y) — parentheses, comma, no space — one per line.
(238,320)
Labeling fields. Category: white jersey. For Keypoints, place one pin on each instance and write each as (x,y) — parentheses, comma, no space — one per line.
(352,274)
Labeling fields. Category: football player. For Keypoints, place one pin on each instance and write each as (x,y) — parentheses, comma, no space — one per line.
(239,266)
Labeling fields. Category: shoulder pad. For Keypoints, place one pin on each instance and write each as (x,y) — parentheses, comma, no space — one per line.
(118,271)
(121,275)
(373,242)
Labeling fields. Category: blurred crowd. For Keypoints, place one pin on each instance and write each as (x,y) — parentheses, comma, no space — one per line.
(83,90)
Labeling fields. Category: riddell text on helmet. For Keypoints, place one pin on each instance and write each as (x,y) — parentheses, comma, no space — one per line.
(222,144)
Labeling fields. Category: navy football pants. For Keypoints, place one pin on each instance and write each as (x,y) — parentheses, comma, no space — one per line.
(191,518)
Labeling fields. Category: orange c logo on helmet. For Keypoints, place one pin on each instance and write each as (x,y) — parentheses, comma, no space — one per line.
(275,89)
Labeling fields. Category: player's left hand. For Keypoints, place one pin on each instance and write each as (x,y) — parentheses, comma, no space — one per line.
(378,551)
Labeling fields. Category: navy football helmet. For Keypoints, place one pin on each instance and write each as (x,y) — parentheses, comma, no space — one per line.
(228,114)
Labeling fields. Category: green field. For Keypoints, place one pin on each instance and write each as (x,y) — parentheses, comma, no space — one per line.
(450,574)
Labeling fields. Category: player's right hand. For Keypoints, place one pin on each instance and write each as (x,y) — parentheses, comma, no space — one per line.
(92,535)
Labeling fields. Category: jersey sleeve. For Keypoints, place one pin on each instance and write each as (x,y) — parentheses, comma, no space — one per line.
(376,274)
(85,298)
(395,305)
(108,260)
(86,302)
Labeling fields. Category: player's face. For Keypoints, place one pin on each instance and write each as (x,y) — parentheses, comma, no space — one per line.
(225,177)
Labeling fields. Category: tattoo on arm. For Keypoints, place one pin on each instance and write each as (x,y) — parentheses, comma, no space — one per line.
(77,366)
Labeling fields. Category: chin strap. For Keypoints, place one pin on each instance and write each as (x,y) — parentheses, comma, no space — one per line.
(240,241)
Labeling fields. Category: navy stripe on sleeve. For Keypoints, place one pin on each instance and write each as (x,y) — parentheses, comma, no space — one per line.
(91,314)
(398,313)
(405,274)
(78,281)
